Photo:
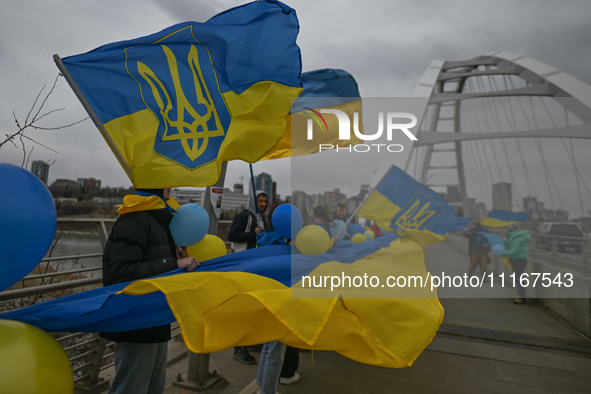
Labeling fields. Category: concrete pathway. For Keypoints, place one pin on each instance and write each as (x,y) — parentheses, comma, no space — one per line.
(485,345)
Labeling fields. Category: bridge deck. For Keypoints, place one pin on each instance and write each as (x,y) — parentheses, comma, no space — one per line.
(486,345)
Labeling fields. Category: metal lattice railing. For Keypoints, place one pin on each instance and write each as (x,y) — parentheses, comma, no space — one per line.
(89,354)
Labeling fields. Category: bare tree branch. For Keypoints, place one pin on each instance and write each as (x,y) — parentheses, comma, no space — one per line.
(38,143)
(24,151)
(26,164)
(59,127)
(34,115)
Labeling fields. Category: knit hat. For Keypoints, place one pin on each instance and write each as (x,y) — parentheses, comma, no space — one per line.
(158,192)
(513,227)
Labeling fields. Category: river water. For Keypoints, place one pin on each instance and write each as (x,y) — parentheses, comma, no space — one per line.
(76,243)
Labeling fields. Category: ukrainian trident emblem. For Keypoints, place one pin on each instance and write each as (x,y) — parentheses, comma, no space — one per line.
(179,86)
(418,213)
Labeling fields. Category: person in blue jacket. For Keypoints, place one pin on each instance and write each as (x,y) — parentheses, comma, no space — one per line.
(478,248)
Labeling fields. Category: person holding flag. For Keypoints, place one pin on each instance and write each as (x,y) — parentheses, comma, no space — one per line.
(140,246)
(248,223)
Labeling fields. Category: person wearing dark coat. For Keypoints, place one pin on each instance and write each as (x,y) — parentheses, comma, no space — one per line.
(140,246)
(243,232)
(478,252)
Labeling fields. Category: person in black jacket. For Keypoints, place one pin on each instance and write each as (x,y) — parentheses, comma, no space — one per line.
(243,235)
(139,246)
(241,231)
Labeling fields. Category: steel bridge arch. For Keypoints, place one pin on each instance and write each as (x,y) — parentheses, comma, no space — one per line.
(444,84)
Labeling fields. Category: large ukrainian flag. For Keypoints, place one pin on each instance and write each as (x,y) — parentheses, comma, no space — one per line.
(247,298)
(499,218)
(174,105)
(402,205)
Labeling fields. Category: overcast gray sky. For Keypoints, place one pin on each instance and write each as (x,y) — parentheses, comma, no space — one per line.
(386,45)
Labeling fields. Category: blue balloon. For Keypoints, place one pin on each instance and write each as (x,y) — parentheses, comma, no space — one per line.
(29,219)
(189,225)
(336,228)
(356,229)
(498,250)
(287,220)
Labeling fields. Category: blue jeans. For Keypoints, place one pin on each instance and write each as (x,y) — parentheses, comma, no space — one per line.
(270,366)
(140,368)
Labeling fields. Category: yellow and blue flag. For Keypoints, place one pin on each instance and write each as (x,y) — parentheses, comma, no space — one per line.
(325,89)
(254,287)
(411,210)
(499,218)
(174,105)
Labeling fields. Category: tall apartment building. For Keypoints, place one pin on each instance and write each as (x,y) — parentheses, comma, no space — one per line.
(87,184)
(188,196)
(41,170)
(231,202)
(234,202)
(264,182)
(238,188)
(501,196)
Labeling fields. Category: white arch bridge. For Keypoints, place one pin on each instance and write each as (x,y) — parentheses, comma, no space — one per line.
(509,121)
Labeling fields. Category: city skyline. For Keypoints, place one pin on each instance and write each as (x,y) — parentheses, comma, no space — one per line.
(387,59)
(477,209)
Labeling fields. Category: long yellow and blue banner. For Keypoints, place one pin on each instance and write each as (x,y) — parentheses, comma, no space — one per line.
(499,218)
(411,210)
(254,287)
(174,105)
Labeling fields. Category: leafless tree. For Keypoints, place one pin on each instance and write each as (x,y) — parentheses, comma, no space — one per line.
(36,114)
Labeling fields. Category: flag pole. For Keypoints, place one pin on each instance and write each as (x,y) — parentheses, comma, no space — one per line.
(363,202)
(254,190)
(92,114)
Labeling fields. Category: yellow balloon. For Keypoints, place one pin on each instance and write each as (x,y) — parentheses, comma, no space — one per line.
(209,248)
(312,240)
(357,238)
(370,235)
(33,362)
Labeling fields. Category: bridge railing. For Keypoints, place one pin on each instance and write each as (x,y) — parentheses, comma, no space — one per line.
(571,252)
(88,353)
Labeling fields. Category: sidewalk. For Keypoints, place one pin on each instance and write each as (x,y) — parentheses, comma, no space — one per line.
(484,345)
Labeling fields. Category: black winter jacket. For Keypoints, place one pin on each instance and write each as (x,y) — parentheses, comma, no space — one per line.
(140,246)
(238,231)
